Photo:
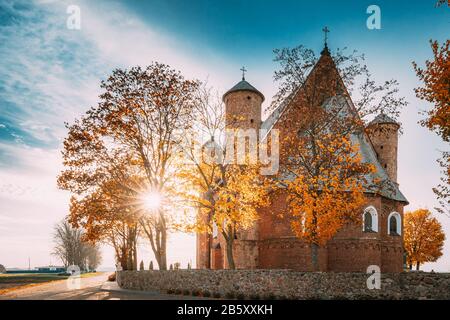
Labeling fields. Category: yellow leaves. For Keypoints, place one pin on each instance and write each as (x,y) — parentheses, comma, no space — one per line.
(322,201)
(436,89)
(227,194)
(423,237)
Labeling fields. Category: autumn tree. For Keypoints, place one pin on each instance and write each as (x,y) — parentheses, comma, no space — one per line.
(423,237)
(237,193)
(325,178)
(369,97)
(226,194)
(321,166)
(436,90)
(110,215)
(99,179)
(138,118)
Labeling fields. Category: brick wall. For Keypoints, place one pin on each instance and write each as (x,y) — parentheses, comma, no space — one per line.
(350,250)
(289,284)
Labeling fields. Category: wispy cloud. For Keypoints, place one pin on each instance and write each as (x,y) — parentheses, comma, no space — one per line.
(50,75)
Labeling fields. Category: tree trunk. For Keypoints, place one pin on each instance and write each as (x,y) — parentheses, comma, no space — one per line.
(315,256)
(157,235)
(163,252)
(230,257)
(418,266)
(135,254)
(129,262)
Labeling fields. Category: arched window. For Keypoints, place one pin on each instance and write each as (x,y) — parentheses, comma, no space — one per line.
(370,220)
(394,224)
(367,221)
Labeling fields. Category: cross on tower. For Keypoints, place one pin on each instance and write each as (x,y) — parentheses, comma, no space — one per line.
(243,72)
(326,31)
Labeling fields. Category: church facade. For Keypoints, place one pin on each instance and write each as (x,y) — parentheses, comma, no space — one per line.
(270,243)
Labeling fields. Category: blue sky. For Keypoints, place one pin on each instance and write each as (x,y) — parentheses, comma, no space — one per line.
(50,74)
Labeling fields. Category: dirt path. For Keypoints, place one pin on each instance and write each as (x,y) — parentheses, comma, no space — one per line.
(92,288)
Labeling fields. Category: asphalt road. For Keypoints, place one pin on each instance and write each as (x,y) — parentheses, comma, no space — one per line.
(91,288)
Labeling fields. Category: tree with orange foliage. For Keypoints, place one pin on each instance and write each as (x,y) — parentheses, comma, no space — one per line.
(325,186)
(436,90)
(226,195)
(423,237)
(135,125)
(99,180)
(110,215)
(230,202)
(323,172)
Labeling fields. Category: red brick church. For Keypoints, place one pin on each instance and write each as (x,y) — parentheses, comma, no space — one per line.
(270,243)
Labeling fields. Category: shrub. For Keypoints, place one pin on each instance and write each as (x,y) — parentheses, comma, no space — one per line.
(186,292)
(254,296)
(240,296)
(230,295)
(195,293)
(206,294)
(270,296)
(217,295)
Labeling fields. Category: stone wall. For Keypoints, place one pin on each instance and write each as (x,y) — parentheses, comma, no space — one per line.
(287,284)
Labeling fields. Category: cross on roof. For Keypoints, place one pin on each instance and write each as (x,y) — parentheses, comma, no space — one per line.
(326,31)
(243,72)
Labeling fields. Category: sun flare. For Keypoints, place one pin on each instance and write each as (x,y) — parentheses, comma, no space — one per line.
(152,200)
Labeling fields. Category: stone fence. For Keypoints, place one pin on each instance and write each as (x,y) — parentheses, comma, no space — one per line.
(287,284)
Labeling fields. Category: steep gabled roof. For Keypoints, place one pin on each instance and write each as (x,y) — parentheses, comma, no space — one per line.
(325,62)
(387,188)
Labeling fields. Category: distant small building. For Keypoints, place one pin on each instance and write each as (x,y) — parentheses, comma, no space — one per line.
(50,269)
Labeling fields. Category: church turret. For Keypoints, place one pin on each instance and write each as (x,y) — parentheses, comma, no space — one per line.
(243,106)
(383,133)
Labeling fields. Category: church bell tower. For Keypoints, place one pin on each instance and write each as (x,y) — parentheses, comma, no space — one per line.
(243,106)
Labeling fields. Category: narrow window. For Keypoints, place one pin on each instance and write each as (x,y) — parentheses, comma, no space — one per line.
(368,221)
(393,226)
